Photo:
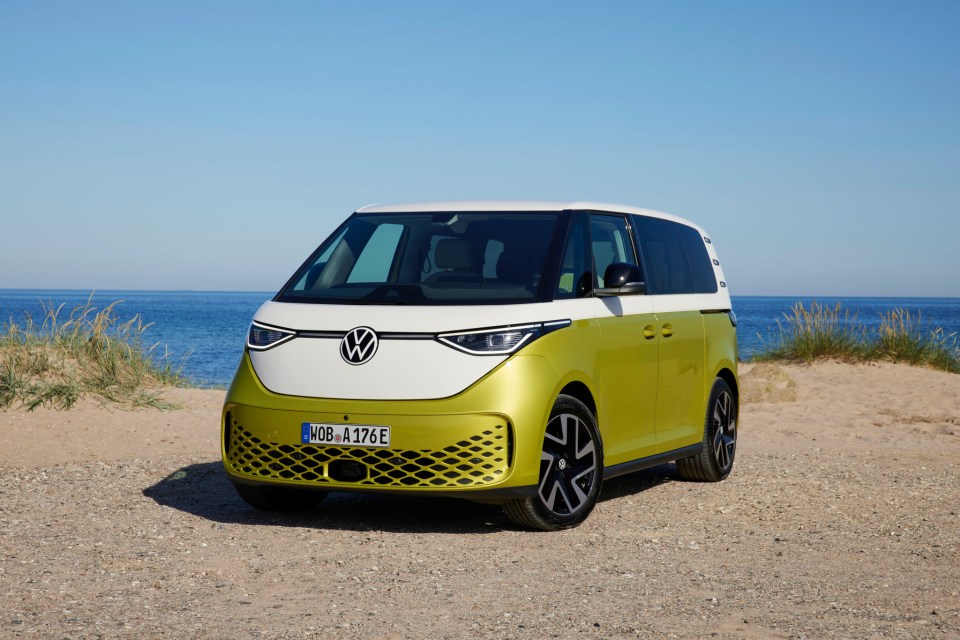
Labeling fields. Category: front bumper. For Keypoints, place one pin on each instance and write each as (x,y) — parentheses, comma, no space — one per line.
(482,444)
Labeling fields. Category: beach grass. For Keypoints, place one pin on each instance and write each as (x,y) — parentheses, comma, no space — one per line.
(90,354)
(823,332)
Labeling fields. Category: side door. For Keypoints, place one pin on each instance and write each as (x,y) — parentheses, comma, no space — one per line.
(629,348)
(680,331)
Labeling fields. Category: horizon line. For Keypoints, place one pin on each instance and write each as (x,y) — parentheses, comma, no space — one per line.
(273,293)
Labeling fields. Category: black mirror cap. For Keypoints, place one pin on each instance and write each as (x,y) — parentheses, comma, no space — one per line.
(622,278)
(620,273)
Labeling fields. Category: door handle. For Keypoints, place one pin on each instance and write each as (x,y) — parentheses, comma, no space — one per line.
(649,332)
(666,330)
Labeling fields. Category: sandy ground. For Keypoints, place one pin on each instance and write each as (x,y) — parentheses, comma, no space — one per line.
(841,520)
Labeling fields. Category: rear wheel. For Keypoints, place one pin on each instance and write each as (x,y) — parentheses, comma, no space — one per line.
(571,471)
(269,498)
(715,460)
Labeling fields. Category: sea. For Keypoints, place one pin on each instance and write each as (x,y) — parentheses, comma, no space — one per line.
(206,330)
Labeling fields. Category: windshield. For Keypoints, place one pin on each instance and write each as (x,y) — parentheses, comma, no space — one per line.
(428,259)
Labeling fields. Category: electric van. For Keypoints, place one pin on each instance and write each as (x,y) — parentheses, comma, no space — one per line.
(516,353)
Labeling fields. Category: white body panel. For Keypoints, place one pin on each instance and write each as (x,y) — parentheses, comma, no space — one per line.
(401,370)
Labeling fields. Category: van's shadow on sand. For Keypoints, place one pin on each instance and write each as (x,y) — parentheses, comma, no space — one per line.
(203,490)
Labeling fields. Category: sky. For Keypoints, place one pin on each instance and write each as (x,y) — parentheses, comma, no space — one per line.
(213,145)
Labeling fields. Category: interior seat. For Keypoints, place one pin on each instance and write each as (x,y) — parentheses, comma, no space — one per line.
(457,259)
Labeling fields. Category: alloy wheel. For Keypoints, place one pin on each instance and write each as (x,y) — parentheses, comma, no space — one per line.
(724,430)
(568,465)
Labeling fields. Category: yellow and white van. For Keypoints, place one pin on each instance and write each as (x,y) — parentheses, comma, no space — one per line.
(508,352)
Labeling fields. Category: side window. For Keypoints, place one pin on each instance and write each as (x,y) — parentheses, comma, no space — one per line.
(664,256)
(373,263)
(610,240)
(576,272)
(704,279)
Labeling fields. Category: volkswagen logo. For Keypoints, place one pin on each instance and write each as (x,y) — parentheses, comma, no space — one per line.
(359,345)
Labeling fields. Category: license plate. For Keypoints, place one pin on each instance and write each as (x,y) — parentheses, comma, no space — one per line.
(349,435)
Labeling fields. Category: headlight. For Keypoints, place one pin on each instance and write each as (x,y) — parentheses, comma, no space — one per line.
(262,337)
(499,341)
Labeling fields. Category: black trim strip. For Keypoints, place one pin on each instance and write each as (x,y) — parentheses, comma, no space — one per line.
(706,311)
(651,461)
(546,327)
(338,335)
(493,495)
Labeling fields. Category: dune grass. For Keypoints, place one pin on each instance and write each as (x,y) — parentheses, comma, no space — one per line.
(901,337)
(90,354)
(822,332)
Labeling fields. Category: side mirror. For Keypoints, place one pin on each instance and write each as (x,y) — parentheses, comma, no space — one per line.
(622,278)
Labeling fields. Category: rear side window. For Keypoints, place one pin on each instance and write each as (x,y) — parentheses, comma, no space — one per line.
(704,279)
(665,258)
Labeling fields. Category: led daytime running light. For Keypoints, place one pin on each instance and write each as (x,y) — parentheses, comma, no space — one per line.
(499,341)
(261,337)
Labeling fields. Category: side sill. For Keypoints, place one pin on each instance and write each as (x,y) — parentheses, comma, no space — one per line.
(651,461)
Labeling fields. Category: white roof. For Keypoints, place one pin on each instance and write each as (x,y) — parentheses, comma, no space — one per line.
(515,205)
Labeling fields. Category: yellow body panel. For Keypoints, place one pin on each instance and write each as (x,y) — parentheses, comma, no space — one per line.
(628,394)
(680,397)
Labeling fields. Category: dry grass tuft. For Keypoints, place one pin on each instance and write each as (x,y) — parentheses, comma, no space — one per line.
(835,333)
(89,355)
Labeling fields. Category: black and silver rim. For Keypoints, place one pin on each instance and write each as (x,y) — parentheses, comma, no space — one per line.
(568,465)
(724,429)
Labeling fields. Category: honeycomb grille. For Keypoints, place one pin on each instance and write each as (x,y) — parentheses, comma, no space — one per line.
(479,460)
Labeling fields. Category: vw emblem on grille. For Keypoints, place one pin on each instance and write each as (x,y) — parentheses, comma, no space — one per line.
(359,345)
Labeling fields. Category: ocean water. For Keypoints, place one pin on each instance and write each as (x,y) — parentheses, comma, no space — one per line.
(757,316)
(209,327)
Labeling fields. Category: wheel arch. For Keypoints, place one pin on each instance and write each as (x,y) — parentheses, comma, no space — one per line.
(731,379)
(581,392)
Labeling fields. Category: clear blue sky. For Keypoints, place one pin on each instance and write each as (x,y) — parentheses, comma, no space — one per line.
(213,145)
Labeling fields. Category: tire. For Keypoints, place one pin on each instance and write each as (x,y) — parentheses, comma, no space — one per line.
(268,498)
(571,471)
(715,460)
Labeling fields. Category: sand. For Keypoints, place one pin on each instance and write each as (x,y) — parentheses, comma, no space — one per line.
(841,519)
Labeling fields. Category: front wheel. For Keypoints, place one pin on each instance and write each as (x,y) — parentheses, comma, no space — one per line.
(269,498)
(715,460)
(571,471)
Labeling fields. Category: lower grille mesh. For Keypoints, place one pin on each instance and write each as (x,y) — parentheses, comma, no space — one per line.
(476,461)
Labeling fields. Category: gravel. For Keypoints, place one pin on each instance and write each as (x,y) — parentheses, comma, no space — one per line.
(854,540)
